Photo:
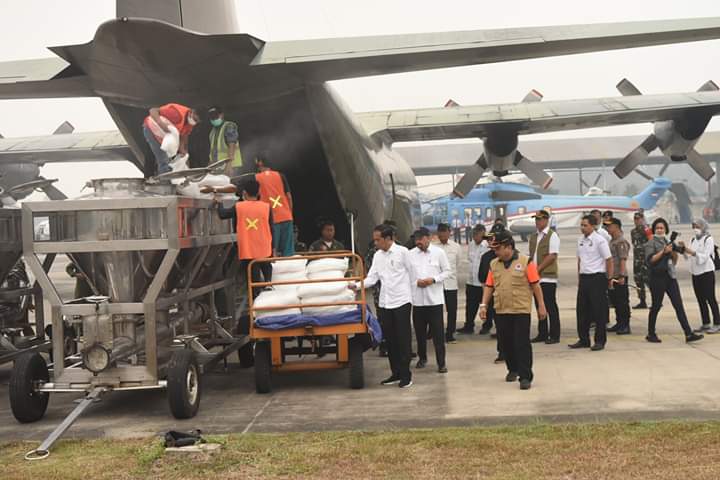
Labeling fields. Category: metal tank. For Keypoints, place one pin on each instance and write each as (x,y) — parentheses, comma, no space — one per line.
(153,261)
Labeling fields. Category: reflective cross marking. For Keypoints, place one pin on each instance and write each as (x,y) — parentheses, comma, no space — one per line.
(276,202)
(251,223)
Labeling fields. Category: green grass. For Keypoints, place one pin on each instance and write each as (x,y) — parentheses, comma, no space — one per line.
(670,450)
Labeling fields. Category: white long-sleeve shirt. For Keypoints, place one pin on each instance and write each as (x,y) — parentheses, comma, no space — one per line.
(475,252)
(393,269)
(702,261)
(431,263)
(452,250)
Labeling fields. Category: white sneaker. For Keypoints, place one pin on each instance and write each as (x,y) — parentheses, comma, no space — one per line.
(713,329)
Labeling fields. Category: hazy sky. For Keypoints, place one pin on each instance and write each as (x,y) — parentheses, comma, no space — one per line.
(27,27)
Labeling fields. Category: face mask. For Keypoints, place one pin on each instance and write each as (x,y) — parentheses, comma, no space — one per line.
(192,121)
(697,231)
(216,122)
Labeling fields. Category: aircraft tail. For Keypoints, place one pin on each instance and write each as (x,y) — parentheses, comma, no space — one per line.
(218,16)
(652,193)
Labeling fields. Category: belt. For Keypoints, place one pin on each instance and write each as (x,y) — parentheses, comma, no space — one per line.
(592,274)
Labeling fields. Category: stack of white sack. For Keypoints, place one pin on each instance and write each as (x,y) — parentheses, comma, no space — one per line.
(326,292)
(288,271)
(276,298)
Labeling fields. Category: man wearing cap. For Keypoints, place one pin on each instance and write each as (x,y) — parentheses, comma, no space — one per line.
(512,282)
(450,284)
(429,267)
(474,284)
(224,142)
(544,247)
(639,237)
(618,292)
(595,267)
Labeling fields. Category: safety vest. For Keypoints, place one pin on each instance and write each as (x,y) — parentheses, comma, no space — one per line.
(512,293)
(254,239)
(219,148)
(175,114)
(543,250)
(272,192)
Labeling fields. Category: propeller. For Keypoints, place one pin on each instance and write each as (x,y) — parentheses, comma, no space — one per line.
(632,160)
(473,174)
(41,183)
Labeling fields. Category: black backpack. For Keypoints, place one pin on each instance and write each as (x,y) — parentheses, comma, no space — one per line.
(715,256)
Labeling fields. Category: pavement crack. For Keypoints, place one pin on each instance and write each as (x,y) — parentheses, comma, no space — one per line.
(257,415)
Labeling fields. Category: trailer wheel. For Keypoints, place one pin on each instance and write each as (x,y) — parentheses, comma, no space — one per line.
(28,405)
(245,354)
(355,357)
(263,367)
(183,384)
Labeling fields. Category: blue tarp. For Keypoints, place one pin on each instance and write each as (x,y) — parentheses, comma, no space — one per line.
(279,322)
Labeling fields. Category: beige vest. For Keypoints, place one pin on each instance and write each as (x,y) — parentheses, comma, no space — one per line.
(551,271)
(512,293)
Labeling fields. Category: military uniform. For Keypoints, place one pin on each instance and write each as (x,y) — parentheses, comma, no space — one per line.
(639,238)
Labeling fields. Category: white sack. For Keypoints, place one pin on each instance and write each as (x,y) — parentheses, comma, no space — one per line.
(171,141)
(286,266)
(275,313)
(321,289)
(327,264)
(325,274)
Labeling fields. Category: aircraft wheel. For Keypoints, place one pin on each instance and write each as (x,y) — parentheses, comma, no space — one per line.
(27,404)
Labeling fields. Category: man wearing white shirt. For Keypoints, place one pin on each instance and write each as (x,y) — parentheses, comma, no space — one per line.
(544,247)
(450,285)
(391,267)
(429,268)
(595,267)
(474,284)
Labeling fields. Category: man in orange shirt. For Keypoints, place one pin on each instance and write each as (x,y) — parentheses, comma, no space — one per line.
(157,124)
(252,225)
(513,281)
(275,191)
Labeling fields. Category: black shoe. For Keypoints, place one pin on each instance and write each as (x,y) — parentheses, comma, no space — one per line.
(466,331)
(450,339)
(597,347)
(499,359)
(640,306)
(493,335)
(552,341)
(511,377)
(653,338)
(413,355)
(579,344)
(484,330)
(614,328)
(421,364)
(694,337)
(391,380)
(405,383)
(383,353)
(623,331)
(538,339)
(442,369)
(525,384)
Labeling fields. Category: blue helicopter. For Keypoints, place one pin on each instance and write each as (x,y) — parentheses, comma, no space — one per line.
(516,203)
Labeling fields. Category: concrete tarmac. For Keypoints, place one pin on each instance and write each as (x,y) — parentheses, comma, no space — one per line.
(630,379)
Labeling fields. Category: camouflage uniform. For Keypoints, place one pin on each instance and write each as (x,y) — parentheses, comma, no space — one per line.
(640,269)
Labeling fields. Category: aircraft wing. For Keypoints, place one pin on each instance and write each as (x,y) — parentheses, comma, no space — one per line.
(42,78)
(538,117)
(338,58)
(71,147)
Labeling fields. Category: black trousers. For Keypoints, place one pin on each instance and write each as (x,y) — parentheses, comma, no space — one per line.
(473,297)
(431,316)
(592,306)
(457,236)
(549,291)
(513,331)
(704,287)
(396,327)
(259,272)
(620,298)
(659,286)
(451,308)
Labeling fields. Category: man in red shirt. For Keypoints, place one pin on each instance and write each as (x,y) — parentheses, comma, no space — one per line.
(512,282)
(158,123)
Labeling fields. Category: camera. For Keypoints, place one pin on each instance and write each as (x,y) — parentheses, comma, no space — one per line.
(676,248)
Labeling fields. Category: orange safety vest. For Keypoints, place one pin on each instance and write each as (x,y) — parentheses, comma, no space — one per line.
(254,239)
(174,113)
(272,192)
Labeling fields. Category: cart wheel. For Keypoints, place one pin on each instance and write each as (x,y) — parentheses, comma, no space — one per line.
(183,384)
(355,354)
(263,367)
(28,405)
(245,354)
